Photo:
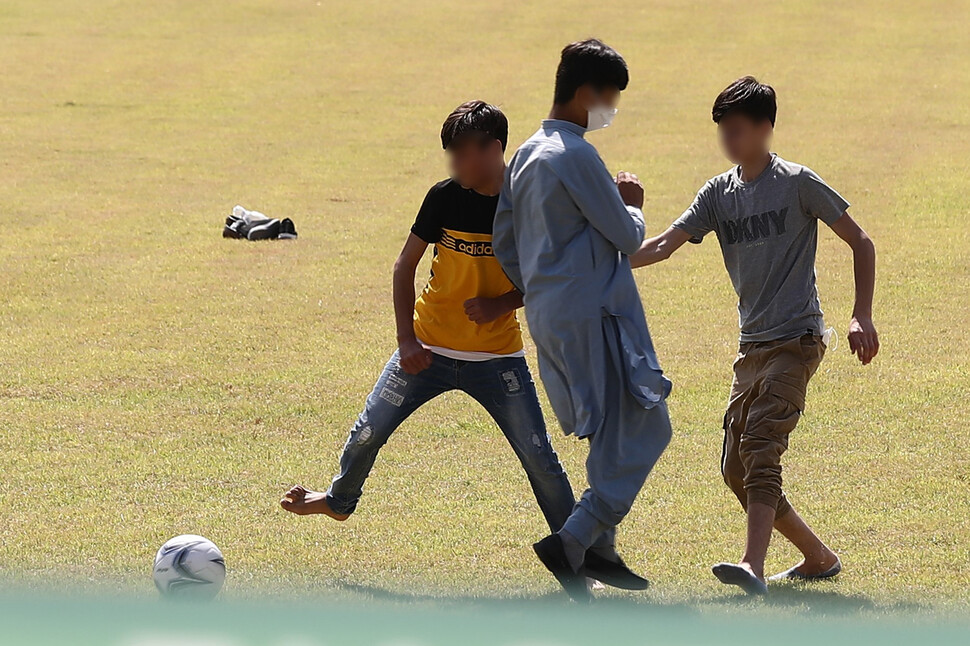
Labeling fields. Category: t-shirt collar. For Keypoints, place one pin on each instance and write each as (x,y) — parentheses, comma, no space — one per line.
(736,173)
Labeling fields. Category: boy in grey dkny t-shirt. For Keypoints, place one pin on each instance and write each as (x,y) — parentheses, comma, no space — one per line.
(765,214)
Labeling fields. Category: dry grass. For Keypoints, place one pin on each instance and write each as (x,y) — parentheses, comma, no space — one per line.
(156,379)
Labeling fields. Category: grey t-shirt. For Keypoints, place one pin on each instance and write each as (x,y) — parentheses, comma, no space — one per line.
(768,231)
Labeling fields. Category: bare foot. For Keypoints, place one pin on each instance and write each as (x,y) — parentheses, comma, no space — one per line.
(302,501)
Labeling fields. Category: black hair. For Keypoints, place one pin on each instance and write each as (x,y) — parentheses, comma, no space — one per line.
(475,117)
(748,97)
(589,62)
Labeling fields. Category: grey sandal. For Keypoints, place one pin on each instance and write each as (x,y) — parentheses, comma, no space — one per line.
(794,575)
(732,574)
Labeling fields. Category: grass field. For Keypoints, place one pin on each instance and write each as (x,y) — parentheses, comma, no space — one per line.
(156,379)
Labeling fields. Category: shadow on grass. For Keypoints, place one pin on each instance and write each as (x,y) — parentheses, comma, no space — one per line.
(554,599)
(807,598)
(816,598)
(382,594)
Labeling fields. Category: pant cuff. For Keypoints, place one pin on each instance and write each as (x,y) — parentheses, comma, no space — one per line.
(783,507)
(340,507)
(584,527)
(763,498)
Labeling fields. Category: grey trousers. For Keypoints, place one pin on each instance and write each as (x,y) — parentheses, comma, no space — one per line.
(621,455)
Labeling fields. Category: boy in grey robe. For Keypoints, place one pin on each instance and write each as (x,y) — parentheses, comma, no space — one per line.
(562,233)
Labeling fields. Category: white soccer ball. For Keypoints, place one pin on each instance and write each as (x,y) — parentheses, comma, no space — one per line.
(189,567)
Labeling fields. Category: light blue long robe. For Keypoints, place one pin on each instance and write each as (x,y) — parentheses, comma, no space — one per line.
(562,233)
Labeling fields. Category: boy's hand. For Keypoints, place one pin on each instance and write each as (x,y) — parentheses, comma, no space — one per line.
(484,310)
(863,339)
(631,190)
(414,357)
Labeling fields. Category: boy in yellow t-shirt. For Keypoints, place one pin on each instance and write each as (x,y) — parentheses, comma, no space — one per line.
(460,334)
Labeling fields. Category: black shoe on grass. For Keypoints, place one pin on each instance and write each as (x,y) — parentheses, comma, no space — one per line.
(235,228)
(615,574)
(287,230)
(265,230)
(551,552)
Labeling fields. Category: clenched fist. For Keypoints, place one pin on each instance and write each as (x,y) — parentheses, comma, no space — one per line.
(484,310)
(413,356)
(631,190)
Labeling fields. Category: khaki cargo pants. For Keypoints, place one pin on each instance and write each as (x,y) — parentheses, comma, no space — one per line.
(767,400)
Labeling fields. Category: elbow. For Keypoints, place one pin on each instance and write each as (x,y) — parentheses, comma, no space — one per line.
(647,254)
(864,245)
(403,268)
(658,251)
(664,250)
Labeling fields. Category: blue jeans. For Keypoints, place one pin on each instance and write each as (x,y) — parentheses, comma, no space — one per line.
(503,386)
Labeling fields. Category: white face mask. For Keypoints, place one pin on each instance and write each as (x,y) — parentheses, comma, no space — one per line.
(599,117)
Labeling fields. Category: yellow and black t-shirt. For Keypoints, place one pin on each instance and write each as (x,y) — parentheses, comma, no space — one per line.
(458,222)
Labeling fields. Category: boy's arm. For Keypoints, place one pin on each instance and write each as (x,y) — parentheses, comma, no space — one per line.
(693,224)
(483,310)
(414,357)
(863,338)
(612,206)
(503,233)
(659,247)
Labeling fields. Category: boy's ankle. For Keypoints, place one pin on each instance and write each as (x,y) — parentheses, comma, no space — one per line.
(758,572)
(823,559)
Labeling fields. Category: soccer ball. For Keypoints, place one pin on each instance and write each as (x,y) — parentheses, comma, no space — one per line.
(189,567)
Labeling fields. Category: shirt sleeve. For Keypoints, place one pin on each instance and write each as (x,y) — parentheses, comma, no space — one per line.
(818,199)
(427,225)
(503,234)
(699,219)
(594,191)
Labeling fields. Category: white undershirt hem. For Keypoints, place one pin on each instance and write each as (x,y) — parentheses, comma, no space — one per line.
(467,355)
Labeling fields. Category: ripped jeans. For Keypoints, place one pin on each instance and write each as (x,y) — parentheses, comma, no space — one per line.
(503,386)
